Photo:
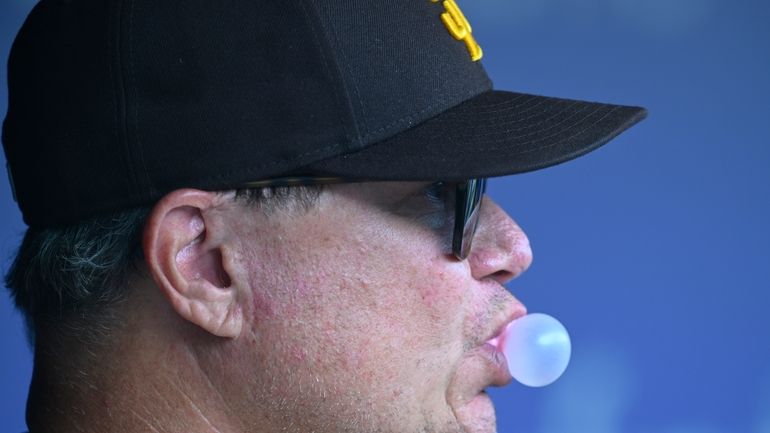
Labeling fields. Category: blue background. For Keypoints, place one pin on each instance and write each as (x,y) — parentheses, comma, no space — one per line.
(652,250)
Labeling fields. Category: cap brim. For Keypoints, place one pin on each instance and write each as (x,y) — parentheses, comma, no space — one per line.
(496,133)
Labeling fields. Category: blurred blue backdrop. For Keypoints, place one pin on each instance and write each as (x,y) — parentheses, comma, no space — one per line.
(652,250)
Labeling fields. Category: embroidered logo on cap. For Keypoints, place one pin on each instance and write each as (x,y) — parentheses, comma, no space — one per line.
(459,28)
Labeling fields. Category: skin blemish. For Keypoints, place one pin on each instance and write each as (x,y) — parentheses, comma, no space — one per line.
(298,353)
(303,289)
(261,306)
(435,296)
(431,295)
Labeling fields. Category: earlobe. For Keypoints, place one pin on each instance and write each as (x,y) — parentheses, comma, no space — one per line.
(184,247)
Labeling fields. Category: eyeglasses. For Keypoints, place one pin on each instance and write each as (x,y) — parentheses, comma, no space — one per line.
(467,203)
(468,195)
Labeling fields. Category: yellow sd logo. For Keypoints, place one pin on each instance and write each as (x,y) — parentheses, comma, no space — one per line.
(458,26)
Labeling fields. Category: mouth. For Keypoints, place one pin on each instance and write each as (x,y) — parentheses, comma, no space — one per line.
(497,338)
(491,351)
(497,365)
(484,366)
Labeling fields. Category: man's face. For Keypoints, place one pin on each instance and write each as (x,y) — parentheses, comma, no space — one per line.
(360,319)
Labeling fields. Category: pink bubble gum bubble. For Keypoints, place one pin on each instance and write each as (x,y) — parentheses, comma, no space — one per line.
(537,348)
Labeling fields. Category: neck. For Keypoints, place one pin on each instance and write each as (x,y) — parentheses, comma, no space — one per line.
(142,382)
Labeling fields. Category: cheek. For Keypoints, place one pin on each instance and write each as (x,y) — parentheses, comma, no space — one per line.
(433,296)
(375,308)
(440,292)
(443,295)
(262,307)
(422,317)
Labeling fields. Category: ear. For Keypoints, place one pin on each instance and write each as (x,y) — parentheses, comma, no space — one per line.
(183,246)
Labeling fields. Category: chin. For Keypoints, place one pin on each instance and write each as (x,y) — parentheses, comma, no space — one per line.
(478,415)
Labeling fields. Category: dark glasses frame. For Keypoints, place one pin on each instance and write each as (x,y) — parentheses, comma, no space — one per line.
(468,196)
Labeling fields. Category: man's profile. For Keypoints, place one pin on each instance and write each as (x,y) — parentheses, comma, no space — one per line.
(266,216)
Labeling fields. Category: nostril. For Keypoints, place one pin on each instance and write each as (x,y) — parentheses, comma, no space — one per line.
(493,264)
(502,276)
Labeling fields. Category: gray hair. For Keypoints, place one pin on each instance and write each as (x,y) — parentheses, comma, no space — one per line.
(72,279)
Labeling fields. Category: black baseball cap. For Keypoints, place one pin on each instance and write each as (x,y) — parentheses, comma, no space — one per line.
(114,103)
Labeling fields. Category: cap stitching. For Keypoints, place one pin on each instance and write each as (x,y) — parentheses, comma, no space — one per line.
(331,33)
(139,149)
(544,121)
(504,107)
(408,117)
(411,116)
(304,6)
(515,121)
(504,113)
(519,108)
(496,148)
(122,87)
(561,131)
(483,104)
(573,135)
(461,117)
(582,130)
(508,101)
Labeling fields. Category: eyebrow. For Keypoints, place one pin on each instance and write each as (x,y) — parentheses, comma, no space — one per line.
(409,193)
(413,189)
(391,195)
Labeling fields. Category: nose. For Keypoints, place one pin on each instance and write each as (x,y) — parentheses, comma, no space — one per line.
(500,249)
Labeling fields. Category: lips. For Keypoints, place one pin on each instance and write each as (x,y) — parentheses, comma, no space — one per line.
(514,311)
(482,367)
(497,365)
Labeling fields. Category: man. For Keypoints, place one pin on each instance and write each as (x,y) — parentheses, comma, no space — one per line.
(269,216)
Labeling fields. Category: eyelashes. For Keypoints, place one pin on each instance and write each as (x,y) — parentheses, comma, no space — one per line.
(437,205)
(432,203)
(437,194)
(431,206)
